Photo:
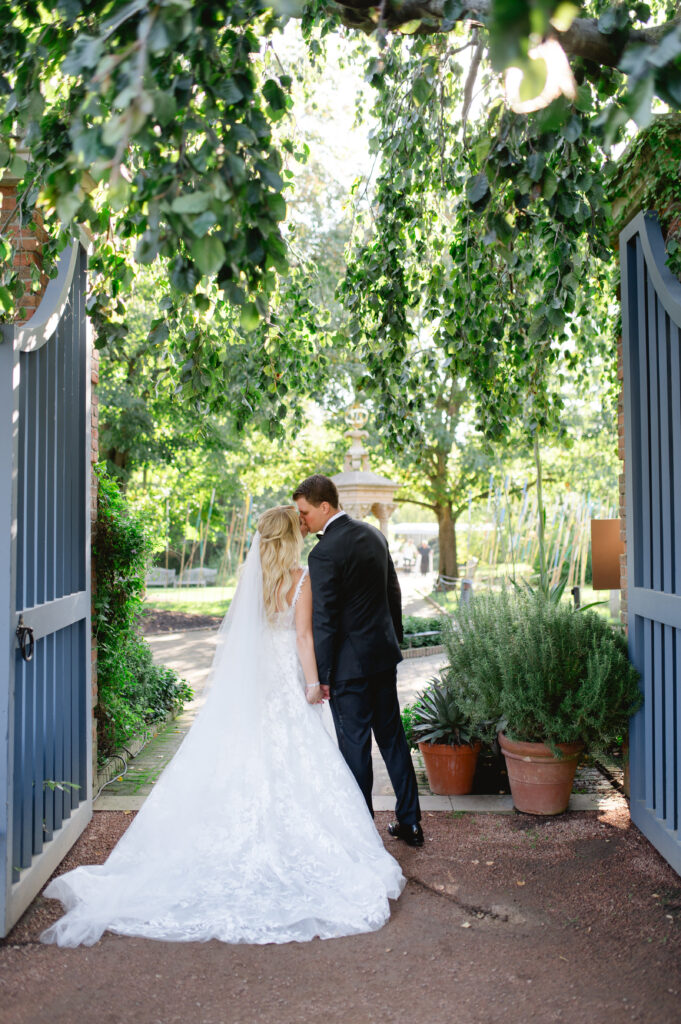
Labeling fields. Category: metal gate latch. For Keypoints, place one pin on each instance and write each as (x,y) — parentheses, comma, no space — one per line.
(25,638)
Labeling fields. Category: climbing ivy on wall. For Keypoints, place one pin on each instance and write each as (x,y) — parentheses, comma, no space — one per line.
(648,177)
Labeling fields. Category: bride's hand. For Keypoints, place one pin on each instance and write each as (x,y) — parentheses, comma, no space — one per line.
(314,694)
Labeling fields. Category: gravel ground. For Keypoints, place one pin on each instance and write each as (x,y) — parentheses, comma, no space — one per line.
(505,918)
(157,621)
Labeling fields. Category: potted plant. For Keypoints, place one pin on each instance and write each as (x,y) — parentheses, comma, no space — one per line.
(445,737)
(554,680)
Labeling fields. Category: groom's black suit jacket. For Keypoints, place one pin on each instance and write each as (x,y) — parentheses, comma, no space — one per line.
(356,602)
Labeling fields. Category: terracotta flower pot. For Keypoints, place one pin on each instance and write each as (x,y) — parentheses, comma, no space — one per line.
(540,782)
(450,770)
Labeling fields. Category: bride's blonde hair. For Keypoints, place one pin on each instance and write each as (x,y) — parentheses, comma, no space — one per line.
(280,545)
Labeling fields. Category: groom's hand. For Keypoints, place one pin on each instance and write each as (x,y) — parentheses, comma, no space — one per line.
(326,692)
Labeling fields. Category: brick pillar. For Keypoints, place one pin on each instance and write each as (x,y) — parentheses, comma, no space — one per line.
(27,242)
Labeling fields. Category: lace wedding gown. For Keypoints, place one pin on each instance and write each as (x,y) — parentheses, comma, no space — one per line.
(256,831)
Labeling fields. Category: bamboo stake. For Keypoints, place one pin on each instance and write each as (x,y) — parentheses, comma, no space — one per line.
(184,540)
(576,544)
(167,531)
(247,505)
(199,519)
(567,537)
(204,542)
(227,557)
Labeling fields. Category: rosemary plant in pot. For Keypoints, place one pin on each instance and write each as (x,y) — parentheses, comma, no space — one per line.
(555,681)
(445,737)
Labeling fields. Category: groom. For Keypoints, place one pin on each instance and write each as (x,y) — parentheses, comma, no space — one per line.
(357,625)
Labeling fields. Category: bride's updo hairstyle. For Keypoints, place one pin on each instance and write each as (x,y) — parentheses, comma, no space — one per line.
(280,544)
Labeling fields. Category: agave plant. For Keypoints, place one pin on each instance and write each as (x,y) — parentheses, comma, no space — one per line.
(437,718)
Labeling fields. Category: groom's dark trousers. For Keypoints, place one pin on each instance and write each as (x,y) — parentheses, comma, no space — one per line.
(360,706)
(357,625)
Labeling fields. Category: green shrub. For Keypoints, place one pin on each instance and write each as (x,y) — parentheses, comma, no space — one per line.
(541,671)
(132,691)
(421,624)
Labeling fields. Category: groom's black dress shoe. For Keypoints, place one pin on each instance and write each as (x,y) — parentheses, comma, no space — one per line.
(411,834)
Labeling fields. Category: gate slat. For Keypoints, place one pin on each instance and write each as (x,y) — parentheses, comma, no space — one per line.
(38,748)
(658,722)
(49,735)
(642,484)
(61,463)
(675,388)
(653,417)
(59,669)
(41,475)
(669,728)
(50,490)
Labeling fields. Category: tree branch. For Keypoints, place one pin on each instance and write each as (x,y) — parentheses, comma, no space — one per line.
(414,501)
(582,39)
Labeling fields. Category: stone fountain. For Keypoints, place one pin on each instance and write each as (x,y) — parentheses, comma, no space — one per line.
(361,491)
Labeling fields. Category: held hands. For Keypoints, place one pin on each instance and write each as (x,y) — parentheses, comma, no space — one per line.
(314,693)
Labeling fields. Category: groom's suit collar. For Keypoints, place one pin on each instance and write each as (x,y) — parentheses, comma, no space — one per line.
(332,523)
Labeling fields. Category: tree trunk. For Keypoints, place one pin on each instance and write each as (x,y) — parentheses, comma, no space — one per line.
(447,536)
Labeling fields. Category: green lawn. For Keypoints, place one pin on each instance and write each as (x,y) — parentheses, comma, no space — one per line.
(191,600)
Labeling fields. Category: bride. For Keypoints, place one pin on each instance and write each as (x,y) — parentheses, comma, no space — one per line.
(256,831)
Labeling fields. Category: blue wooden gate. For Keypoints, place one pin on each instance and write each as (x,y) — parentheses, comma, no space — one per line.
(45,690)
(651,319)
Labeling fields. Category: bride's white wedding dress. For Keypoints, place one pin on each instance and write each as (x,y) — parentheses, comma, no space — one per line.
(256,831)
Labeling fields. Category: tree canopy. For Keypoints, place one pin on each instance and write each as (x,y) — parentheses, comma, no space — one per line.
(164,126)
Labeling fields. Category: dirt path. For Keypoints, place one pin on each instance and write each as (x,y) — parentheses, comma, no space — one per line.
(504,919)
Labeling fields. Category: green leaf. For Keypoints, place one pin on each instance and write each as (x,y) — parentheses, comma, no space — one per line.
(422,90)
(274,95)
(573,129)
(549,184)
(535,165)
(250,318)
(477,188)
(18,166)
(183,275)
(203,223)
(191,202)
(209,253)
(147,247)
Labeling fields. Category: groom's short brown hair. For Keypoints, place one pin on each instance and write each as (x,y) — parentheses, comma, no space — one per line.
(316,489)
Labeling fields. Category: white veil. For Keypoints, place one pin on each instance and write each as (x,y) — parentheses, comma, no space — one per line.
(242,664)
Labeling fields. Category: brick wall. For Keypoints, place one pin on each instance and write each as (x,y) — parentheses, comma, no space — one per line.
(27,242)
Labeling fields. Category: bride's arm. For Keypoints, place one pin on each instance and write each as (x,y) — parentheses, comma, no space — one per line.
(305,643)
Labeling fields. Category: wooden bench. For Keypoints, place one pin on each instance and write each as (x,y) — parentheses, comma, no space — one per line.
(161,578)
(198,578)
